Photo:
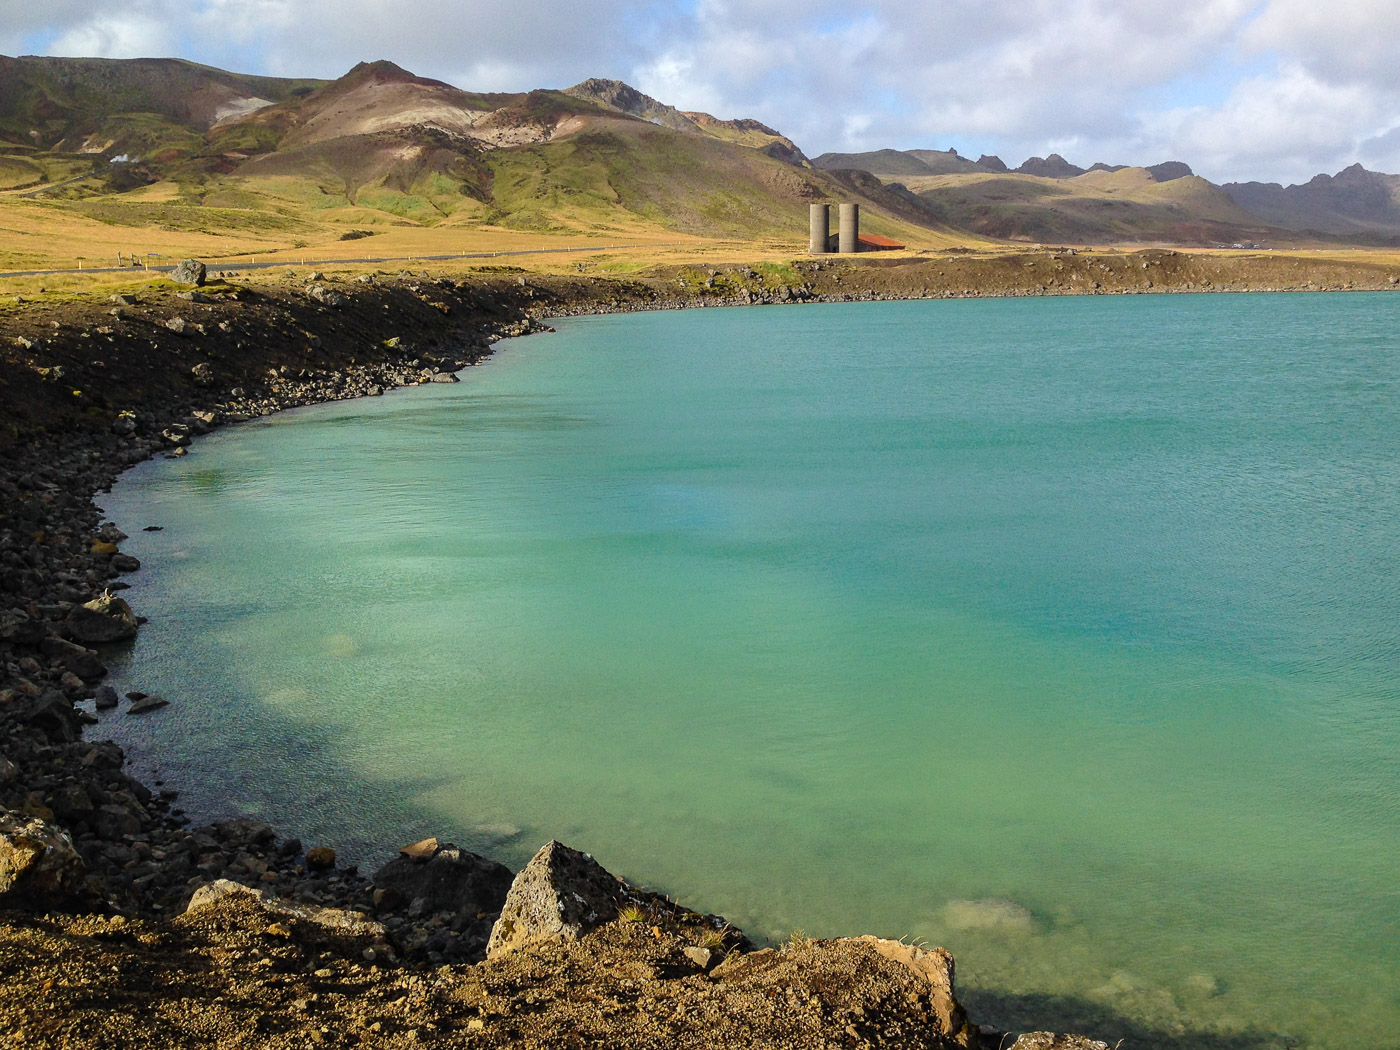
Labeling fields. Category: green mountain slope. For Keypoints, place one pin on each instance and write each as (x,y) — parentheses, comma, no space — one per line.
(185,147)
(130,141)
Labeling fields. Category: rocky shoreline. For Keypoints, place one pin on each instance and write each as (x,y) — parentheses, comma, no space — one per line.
(98,871)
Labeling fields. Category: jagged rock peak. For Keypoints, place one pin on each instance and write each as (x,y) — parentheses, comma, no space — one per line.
(385,71)
(1170,170)
(1051,167)
(624,98)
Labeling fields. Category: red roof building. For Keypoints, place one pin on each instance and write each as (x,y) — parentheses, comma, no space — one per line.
(871,243)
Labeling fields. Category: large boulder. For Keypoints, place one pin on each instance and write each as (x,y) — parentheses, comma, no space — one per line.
(861,978)
(935,966)
(53,715)
(1052,1041)
(432,877)
(82,662)
(39,868)
(335,924)
(101,621)
(559,896)
(191,271)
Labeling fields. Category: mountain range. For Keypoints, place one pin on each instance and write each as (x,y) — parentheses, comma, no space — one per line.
(115,139)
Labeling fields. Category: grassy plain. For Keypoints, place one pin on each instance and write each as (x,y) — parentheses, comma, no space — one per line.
(590,223)
(297,219)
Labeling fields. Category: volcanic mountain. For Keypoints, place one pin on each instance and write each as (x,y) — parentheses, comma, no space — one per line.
(169,143)
(382,141)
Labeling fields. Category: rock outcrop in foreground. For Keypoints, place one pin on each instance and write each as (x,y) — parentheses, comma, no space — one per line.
(241,966)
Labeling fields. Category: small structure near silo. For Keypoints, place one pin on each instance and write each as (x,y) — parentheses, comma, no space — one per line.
(819,241)
(870,242)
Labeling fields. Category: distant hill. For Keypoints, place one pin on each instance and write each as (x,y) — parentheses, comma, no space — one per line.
(948,162)
(1103,206)
(1048,198)
(189,147)
(1354,201)
(99,105)
(901,162)
(217,150)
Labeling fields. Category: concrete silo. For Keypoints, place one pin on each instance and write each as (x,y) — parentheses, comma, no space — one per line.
(848,241)
(820,223)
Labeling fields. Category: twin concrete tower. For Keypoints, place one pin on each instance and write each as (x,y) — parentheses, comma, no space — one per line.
(847,240)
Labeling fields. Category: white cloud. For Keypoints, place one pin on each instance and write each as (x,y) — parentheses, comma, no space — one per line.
(134,36)
(1289,122)
(1340,40)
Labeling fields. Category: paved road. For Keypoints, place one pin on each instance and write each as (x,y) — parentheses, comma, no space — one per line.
(237,265)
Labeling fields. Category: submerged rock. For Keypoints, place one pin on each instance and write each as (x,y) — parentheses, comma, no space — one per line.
(559,896)
(1004,915)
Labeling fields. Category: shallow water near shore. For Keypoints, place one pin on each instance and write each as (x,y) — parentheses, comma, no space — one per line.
(853,618)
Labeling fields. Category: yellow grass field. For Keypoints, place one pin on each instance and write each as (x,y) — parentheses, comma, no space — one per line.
(157,227)
(297,220)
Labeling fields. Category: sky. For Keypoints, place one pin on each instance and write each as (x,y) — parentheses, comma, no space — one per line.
(1273,90)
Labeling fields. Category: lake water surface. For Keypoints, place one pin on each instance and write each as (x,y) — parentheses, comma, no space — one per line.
(851,618)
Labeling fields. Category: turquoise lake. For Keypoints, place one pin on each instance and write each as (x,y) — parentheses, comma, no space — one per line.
(860,618)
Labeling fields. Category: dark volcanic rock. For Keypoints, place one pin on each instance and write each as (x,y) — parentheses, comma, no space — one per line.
(1051,167)
(53,715)
(444,879)
(102,620)
(1170,171)
(38,865)
(75,658)
(559,896)
(125,563)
